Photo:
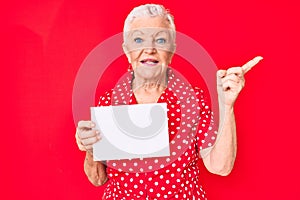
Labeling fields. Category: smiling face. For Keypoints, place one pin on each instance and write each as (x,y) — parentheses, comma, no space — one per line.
(149,46)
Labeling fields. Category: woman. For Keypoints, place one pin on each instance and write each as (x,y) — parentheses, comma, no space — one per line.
(149,44)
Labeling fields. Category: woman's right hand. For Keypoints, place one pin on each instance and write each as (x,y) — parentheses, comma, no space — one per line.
(86,136)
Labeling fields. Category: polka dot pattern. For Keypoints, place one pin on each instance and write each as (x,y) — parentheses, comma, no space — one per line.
(190,124)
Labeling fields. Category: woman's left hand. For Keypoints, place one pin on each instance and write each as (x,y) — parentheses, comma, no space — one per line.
(230,82)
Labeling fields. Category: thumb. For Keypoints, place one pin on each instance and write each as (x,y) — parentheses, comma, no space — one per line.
(221,73)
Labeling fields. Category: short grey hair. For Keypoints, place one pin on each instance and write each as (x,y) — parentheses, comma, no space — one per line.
(148,10)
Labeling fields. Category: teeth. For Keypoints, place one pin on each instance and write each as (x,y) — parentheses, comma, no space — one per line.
(150,62)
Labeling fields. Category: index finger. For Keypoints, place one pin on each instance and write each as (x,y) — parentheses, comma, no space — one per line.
(86,124)
(246,67)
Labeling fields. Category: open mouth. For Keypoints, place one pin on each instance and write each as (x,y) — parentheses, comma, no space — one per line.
(149,61)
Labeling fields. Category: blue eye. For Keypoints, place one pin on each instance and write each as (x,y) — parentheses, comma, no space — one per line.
(138,40)
(161,41)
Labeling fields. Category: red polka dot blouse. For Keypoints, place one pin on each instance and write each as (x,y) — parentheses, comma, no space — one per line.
(191,128)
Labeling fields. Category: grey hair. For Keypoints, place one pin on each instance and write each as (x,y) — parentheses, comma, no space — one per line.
(148,10)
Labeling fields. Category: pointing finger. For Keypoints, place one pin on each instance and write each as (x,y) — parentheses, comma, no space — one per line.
(246,67)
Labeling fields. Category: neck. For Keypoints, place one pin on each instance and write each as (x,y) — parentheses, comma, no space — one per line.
(147,91)
(154,84)
(149,86)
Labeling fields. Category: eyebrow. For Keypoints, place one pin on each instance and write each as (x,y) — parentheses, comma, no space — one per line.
(136,31)
(163,31)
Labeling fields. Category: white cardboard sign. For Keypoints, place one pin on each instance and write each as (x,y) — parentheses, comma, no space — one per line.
(131,131)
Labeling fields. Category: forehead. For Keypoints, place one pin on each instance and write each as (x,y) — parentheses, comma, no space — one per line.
(153,31)
(147,22)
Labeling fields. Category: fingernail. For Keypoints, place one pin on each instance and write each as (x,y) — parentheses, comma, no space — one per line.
(258,58)
(221,74)
(92,124)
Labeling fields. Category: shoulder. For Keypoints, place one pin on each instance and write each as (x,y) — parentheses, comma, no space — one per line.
(105,99)
(120,94)
(199,92)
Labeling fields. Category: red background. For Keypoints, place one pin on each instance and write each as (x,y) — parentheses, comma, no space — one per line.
(43,44)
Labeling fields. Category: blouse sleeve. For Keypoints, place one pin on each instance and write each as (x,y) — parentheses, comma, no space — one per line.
(206,132)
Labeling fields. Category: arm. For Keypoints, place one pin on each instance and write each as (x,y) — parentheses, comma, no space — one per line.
(94,170)
(85,138)
(220,158)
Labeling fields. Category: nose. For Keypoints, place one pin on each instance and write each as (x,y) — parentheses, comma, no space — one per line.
(149,47)
(150,50)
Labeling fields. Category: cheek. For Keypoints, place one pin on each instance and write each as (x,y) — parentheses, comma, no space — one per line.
(167,57)
(134,56)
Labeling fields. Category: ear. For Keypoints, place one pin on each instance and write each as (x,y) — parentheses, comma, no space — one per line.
(125,49)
